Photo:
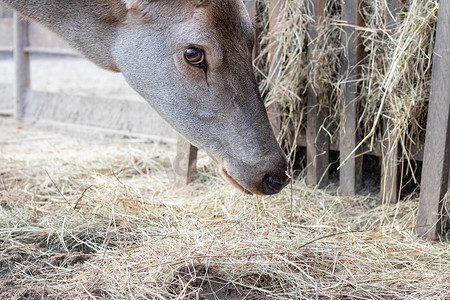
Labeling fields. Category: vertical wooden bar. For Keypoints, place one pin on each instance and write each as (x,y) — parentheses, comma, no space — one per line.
(185,164)
(351,163)
(251,8)
(274,109)
(317,140)
(21,64)
(389,185)
(436,161)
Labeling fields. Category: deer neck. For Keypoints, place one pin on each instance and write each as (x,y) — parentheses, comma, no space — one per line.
(89,26)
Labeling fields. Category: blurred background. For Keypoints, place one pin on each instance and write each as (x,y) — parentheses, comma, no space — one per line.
(65,87)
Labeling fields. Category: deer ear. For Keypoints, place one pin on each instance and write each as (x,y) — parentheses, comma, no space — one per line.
(137,7)
(136,4)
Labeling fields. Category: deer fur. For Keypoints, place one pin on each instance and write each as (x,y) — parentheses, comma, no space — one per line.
(218,108)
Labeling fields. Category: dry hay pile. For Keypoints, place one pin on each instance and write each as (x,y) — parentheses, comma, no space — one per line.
(396,68)
(282,63)
(82,219)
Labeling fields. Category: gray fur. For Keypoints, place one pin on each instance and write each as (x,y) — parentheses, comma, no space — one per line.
(219,110)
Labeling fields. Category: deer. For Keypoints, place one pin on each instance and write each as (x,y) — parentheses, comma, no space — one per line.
(191,60)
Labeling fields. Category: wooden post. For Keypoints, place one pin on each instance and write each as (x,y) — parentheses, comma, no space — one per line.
(21,64)
(389,185)
(251,8)
(185,164)
(317,140)
(274,109)
(351,163)
(436,161)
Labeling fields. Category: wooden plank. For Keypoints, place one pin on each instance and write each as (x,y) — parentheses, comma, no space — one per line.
(6,33)
(49,50)
(274,109)
(389,185)
(7,97)
(41,37)
(251,8)
(21,64)
(123,115)
(436,162)
(317,140)
(250,5)
(351,163)
(416,151)
(185,164)
(5,12)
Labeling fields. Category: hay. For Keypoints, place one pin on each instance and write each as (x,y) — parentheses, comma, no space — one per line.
(83,219)
(283,73)
(396,70)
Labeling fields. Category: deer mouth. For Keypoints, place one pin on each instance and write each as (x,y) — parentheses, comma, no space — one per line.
(232,181)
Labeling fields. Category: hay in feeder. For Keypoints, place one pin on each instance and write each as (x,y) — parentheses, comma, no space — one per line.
(395,71)
(282,63)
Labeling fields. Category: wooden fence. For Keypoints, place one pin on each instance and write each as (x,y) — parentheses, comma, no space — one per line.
(435,154)
(114,114)
(29,38)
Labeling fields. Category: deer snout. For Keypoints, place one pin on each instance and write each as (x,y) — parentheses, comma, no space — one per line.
(268,177)
(273,184)
(275,178)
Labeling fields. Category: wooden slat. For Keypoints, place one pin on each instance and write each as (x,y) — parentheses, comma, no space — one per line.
(124,115)
(41,37)
(21,64)
(317,140)
(185,164)
(251,8)
(6,33)
(5,12)
(389,185)
(50,50)
(415,152)
(436,162)
(7,97)
(274,109)
(351,162)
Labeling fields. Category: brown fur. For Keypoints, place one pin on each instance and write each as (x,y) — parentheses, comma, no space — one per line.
(218,108)
(112,11)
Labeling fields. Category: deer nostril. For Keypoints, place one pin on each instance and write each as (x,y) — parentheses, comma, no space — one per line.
(272,184)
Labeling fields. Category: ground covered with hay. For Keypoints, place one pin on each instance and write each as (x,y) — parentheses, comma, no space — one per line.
(89,216)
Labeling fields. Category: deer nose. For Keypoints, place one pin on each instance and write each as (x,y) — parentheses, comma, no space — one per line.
(273,184)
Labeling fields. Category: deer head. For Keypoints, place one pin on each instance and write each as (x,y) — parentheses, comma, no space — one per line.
(192,61)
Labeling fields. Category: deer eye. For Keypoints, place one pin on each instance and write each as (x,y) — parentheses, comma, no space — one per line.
(194,56)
